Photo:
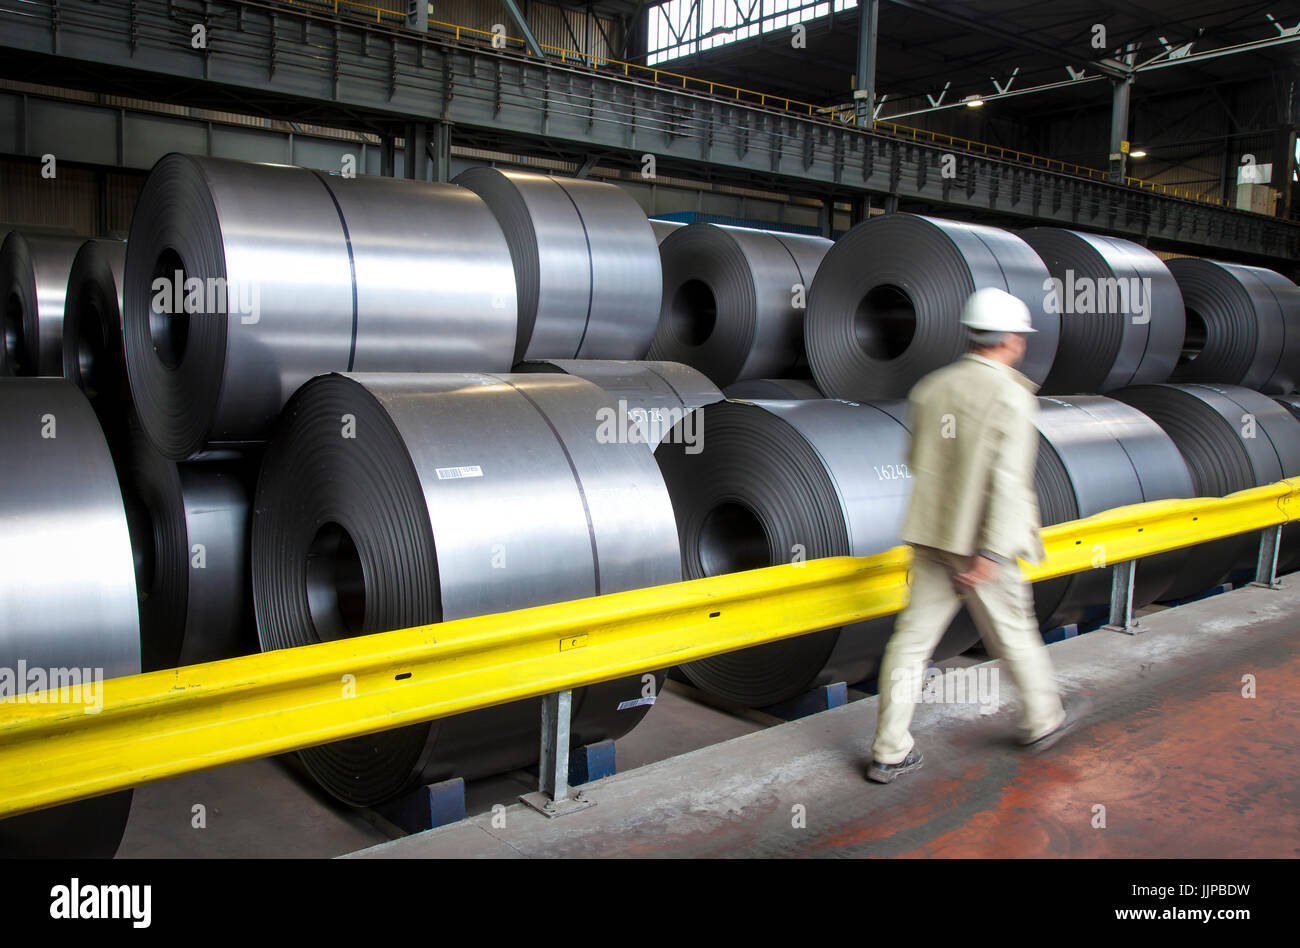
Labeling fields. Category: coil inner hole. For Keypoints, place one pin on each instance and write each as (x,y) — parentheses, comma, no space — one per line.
(336,584)
(885,322)
(169,326)
(693,313)
(732,539)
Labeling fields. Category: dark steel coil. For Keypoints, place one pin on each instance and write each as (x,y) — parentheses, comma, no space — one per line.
(189,534)
(779,480)
(772,389)
(1211,427)
(1095,454)
(33,281)
(655,395)
(734,300)
(459,495)
(92,333)
(1243,326)
(323,273)
(1121,312)
(586,263)
(67,590)
(886,303)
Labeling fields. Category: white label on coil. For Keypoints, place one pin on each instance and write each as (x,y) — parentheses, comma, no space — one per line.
(451,473)
(636,702)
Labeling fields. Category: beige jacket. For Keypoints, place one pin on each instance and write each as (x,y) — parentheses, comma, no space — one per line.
(973,451)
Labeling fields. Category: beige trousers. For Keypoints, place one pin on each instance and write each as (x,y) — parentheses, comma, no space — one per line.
(1004,614)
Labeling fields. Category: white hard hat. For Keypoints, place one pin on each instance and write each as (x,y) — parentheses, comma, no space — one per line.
(994,310)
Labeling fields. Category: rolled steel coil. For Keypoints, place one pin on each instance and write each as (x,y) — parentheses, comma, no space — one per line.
(295,273)
(663,228)
(1243,326)
(885,305)
(92,333)
(33,281)
(388,501)
(586,264)
(777,481)
(1232,438)
(772,389)
(67,590)
(1096,454)
(1121,311)
(654,396)
(189,535)
(734,300)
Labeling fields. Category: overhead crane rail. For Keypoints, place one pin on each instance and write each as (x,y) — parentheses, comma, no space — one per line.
(163,724)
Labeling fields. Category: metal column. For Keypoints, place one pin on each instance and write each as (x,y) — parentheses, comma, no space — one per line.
(552,797)
(1119,115)
(864,95)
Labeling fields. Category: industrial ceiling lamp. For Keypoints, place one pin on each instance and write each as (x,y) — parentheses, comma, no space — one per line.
(973,101)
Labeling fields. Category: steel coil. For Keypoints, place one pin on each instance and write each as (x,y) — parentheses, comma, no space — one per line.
(777,481)
(885,305)
(390,501)
(1121,312)
(92,333)
(772,389)
(1096,454)
(189,535)
(653,395)
(289,273)
(1232,438)
(1243,326)
(586,264)
(67,590)
(33,281)
(734,299)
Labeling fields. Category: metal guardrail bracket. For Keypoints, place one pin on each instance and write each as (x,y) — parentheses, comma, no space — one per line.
(1270,541)
(1121,600)
(552,797)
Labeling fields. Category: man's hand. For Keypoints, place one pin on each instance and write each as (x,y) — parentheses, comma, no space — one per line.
(982,570)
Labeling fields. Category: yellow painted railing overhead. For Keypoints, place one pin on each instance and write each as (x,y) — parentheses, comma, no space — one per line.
(163,724)
(767,100)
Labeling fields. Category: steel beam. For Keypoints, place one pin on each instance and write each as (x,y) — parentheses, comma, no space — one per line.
(521,21)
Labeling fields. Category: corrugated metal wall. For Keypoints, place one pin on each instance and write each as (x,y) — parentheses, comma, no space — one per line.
(76,200)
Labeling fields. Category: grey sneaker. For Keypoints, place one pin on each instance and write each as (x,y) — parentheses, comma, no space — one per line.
(1076,708)
(888,773)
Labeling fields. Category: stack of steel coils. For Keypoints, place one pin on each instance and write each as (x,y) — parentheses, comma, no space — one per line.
(92,332)
(389,501)
(1232,438)
(67,592)
(779,482)
(653,396)
(1243,326)
(885,305)
(586,263)
(734,300)
(1121,312)
(243,281)
(33,281)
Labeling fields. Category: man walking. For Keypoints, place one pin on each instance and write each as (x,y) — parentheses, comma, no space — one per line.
(973,511)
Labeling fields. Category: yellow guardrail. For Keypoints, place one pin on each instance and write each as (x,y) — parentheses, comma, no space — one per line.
(736,93)
(163,724)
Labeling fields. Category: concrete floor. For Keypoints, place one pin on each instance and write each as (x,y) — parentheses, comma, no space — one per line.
(1173,761)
